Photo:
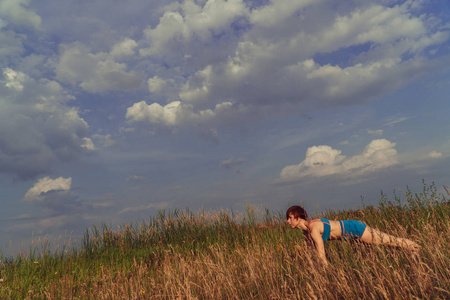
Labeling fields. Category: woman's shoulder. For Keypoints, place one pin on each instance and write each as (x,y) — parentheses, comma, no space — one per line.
(316,223)
(321,220)
(322,223)
(315,220)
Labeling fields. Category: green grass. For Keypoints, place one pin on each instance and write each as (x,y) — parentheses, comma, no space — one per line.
(219,254)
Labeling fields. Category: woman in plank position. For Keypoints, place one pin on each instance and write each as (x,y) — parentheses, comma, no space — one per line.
(321,230)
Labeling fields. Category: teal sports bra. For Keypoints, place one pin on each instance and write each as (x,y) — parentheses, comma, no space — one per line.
(326,228)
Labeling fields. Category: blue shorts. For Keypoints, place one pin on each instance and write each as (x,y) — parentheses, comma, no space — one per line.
(352,229)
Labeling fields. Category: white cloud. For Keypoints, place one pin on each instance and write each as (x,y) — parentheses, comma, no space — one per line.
(95,73)
(56,196)
(88,144)
(104,140)
(323,160)
(435,154)
(15,12)
(197,88)
(174,113)
(124,48)
(271,65)
(154,113)
(377,24)
(163,87)
(11,45)
(378,154)
(45,185)
(157,84)
(14,79)
(343,84)
(320,161)
(277,11)
(37,128)
(192,21)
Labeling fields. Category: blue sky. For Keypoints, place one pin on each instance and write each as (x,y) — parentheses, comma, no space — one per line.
(112,110)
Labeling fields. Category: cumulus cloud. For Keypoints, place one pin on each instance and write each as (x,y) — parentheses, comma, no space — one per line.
(55,195)
(323,160)
(15,11)
(88,144)
(96,73)
(14,79)
(174,113)
(281,61)
(124,48)
(104,140)
(277,11)
(190,21)
(154,113)
(166,87)
(11,45)
(45,185)
(37,128)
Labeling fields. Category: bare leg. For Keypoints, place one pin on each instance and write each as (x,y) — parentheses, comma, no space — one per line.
(377,237)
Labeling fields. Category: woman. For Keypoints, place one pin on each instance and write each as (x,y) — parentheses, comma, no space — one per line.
(321,230)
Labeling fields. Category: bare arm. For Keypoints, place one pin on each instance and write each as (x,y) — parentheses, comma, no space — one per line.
(317,238)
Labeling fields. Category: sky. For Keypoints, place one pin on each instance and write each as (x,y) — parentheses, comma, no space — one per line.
(112,110)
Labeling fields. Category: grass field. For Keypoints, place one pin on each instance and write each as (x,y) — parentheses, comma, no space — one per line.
(254,255)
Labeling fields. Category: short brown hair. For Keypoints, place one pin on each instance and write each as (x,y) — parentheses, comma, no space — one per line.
(297,212)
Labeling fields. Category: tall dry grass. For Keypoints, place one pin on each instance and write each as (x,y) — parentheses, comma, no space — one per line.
(218,255)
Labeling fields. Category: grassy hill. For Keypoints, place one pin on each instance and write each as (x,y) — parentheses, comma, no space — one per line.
(222,255)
